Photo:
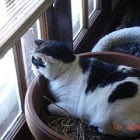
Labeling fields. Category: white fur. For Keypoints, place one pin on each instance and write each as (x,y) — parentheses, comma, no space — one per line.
(68,84)
(120,37)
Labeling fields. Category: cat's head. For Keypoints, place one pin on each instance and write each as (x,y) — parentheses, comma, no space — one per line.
(51,58)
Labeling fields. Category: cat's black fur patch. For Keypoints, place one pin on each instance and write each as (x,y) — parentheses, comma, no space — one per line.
(98,72)
(118,76)
(114,77)
(102,74)
(37,62)
(56,49)
(123,91)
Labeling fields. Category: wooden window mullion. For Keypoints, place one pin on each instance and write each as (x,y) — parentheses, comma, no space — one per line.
(60,22)
(85,13)
(21,77)
(44,26)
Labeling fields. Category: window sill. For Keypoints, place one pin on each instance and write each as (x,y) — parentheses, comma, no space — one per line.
(16,127)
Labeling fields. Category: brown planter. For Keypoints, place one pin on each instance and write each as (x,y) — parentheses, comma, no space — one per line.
(39,87)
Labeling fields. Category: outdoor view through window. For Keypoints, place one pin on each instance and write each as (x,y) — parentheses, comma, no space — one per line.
(77,14)
(10,107)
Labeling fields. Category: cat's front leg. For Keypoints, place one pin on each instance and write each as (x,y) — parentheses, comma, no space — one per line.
(61,109)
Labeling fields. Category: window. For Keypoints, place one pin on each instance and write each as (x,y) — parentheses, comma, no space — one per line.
(28,47)
(77,19)
(92,6)
(16,48)
(10,105)
(16,60)
(22,22)
(17,16)
(83,11)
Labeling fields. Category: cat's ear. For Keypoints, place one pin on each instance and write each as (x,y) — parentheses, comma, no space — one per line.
(39,42)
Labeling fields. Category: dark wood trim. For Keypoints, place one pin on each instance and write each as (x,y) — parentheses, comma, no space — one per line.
(100,4)
(106,6)
(88,23)
(85,13)
(90,37)
(14,131)
(44,26)
(103,25)
(20,71)
(79,38)
(60,23)
(21,77)
(20,130)
(51,23)
(24,133)
(94,17)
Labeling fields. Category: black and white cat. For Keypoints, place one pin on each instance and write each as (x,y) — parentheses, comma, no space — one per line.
(105,95)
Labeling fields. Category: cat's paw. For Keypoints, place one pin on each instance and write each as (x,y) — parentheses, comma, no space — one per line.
(58,109)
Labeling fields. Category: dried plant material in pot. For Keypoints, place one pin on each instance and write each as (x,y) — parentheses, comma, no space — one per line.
(70,127)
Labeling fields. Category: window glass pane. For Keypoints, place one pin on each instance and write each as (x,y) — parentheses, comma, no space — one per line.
(77,19)
(10,107)
(92,6)
(28,47)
